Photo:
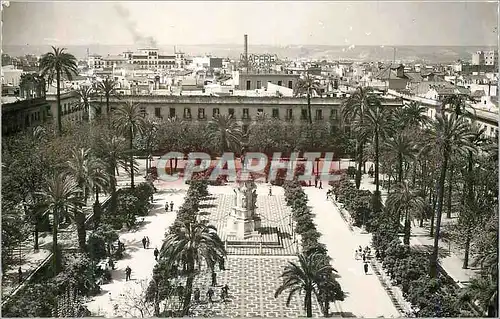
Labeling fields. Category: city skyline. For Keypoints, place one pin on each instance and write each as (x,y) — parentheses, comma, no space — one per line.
(197,23)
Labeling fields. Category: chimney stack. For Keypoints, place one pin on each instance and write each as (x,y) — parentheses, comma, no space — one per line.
(245,49)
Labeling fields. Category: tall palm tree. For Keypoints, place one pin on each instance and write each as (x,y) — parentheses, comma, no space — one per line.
(307,85)
(59,64)
(405,200)
(449,134)
(377,125)
(84,94)
(191,244)
(404,147)
(149,136)
(414,115)
(129,120)
(111,150)
(225,131)
(307,276)
(61,194)
(354,108)
(89,174)
(107,88)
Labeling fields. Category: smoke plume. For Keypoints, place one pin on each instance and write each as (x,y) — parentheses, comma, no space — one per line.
(131,26)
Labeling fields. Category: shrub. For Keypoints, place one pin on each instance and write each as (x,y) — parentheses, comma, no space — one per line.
(144,191)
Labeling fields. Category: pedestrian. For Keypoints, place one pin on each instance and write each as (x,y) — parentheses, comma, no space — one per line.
(316,182)
(225,291)
(166,206)
(128,272)
(336,197)
(171,206)
(210,293)
(364,257)
(327,194)
(180,291)
(366,268)
(147,242)
(320,184)
(197,295)
(221,264)
(214,279)
(270,191)
(156,253)
(109,295)
(20,272)
(144,242)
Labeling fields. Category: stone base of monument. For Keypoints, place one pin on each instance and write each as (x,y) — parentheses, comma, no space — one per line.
(250,233)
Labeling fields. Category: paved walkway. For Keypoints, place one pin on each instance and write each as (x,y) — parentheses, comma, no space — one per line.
(451,256)
(365,295)
(127,295)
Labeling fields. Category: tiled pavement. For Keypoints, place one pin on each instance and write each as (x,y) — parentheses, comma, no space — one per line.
(252,281)
(274,213)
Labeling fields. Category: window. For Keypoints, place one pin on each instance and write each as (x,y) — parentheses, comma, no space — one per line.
(172,112)
(333,114)
(290,84)
(201,113)
(215,112)
(187,113)
(142,110)
(276,113)
(304,115)
(157,112)
(260,111)
(319,114)
(289,114)
(249,84)
(259,84)
(231,112)
(280,83)
(245,113)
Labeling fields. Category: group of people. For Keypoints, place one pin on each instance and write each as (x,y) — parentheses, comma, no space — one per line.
(171,206)
(145,242)
(363,254)
(224,294)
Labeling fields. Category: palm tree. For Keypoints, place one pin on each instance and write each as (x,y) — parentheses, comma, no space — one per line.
(58,63)
(405,148)
(405,200)
(376,124)
(84,94)
(129,120)
(414,115)
(307,276)
(307,85)
(484,290)
(107,88)
(61,194)
(149,137)
(449,134)
(355,107)
(88,172)
(225,131)
(191,244)
(111,150)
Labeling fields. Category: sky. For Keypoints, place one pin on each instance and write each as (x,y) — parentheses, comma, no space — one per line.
(272,23)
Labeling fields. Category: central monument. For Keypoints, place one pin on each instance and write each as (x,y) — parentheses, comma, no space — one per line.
(243,223)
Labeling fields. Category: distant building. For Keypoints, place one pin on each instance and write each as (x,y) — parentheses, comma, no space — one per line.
(11,76)
(485,58)
(256,81)
(393,76)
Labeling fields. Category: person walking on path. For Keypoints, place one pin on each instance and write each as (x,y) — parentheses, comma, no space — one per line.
(147,242)
(316,182)
(166,206)
(128,272)
(365,266)
(144,242)
(197,295)
(214,279)
(210,294)
(171,206)
(156,253)
(320,184)
(225,292)
(270,191)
